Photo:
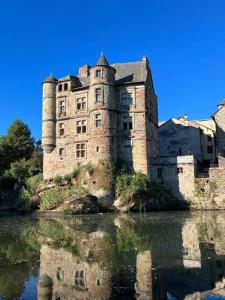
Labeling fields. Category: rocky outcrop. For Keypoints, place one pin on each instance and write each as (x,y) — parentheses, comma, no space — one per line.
(80,205)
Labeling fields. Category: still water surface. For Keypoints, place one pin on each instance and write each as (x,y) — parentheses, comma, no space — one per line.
(98,257)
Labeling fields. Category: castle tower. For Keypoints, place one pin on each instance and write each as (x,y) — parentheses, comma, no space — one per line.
(102,106)
(49,114)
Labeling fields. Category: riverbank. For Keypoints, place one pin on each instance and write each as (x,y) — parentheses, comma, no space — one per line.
(95,189)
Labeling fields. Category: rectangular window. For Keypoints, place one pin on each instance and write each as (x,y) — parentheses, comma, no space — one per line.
(81,103)
(126,99)
(98,120)
(80,150)
(180,170)
(210,149)
(80,282)
(81,126)
(127,123)
(98,96)
(98,73)
(61,152)
(61,129)
(62,107)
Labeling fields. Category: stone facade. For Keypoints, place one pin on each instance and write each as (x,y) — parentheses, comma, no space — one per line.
(219,118)
(177,174)
(106,113)
(71,277)
(182,137)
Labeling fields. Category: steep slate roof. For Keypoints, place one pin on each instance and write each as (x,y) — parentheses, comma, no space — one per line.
(102,61)
(130,72)
(50,78)
(133,72)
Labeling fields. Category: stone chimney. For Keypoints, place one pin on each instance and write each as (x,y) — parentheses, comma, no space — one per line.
(84,71)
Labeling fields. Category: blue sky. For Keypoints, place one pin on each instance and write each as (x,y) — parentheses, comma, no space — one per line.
(184,40)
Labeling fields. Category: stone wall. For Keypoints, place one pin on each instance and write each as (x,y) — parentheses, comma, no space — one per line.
(176,174)
(219,118)
(210,192)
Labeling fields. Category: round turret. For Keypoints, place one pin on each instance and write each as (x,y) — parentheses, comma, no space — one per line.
(102,107)
(49,114)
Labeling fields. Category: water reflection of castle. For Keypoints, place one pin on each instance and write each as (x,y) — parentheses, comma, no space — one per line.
(189,265)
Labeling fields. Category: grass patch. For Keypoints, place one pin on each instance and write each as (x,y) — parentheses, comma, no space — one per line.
(58,180)
(131,185)
(90,168)
(76,172)
(54,197)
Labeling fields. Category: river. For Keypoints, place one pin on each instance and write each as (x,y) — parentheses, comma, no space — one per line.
(171,255)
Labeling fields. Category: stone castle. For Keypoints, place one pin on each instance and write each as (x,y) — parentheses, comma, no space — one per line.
(106,113)
(110,113)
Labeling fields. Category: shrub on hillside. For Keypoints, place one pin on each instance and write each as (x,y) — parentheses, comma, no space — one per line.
(131,185)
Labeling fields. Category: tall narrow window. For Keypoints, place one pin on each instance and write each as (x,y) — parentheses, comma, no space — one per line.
(127,123)
(61,129)
(60,88)
(98,96)
(65,86)
(81,103)
(80,150)
(62,107)
(81,126)
(79,281)
(61,152)
(126,99)
(98,73)
(98,120)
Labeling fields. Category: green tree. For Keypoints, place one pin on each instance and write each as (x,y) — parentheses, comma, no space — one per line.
(15,145)
(36,161)
(20,141)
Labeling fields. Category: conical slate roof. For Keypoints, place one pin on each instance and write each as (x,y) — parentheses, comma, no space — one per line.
(50,78)
(102,61)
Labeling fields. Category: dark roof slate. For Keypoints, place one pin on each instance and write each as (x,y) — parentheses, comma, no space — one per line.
(102,61)
(50,79)
(134,72)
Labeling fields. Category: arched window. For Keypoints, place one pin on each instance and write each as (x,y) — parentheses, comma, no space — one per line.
(60,88)
(65,86)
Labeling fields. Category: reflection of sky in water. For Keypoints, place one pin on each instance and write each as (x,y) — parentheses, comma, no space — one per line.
(172,256)
(169,297)
(215,298)
(30,291)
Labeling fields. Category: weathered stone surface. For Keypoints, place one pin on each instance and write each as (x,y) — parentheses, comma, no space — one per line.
(80,205)
(111,140)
